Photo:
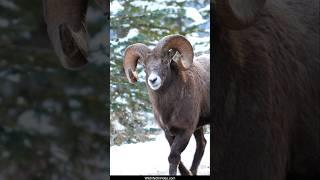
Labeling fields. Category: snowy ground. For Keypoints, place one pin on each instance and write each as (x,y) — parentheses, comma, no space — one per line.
(151,158)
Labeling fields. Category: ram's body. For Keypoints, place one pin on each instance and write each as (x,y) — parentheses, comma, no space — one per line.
(266,94)
(187,98)
(179,90)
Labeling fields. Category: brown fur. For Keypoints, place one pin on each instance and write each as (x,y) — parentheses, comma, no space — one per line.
(266,95)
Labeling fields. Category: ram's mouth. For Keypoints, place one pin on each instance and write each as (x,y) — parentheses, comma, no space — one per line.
(155,86)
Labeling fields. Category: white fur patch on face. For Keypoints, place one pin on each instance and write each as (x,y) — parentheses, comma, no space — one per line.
(154,81)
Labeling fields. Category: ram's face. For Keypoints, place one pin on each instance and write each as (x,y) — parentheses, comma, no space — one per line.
(157,69)
(158,64)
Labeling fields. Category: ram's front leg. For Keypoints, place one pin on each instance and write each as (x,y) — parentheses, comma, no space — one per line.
(180,142)
(201,144)
(183,170)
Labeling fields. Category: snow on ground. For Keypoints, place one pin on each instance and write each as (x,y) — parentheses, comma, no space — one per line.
(151,158)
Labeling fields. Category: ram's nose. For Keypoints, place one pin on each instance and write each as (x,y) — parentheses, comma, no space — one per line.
(152,80)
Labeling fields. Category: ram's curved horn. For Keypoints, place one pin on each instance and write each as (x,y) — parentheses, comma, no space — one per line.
(180,44)
(131,56)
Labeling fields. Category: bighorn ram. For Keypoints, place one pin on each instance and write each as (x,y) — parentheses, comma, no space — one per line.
(179,93)
(266,89)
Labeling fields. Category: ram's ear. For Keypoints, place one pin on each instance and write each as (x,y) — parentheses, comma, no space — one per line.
(176,57)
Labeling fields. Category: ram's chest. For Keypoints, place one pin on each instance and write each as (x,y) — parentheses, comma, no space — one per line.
(163,125)
(169,123)
(165,119)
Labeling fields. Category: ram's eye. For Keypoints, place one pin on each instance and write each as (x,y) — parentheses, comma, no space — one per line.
(166,61)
